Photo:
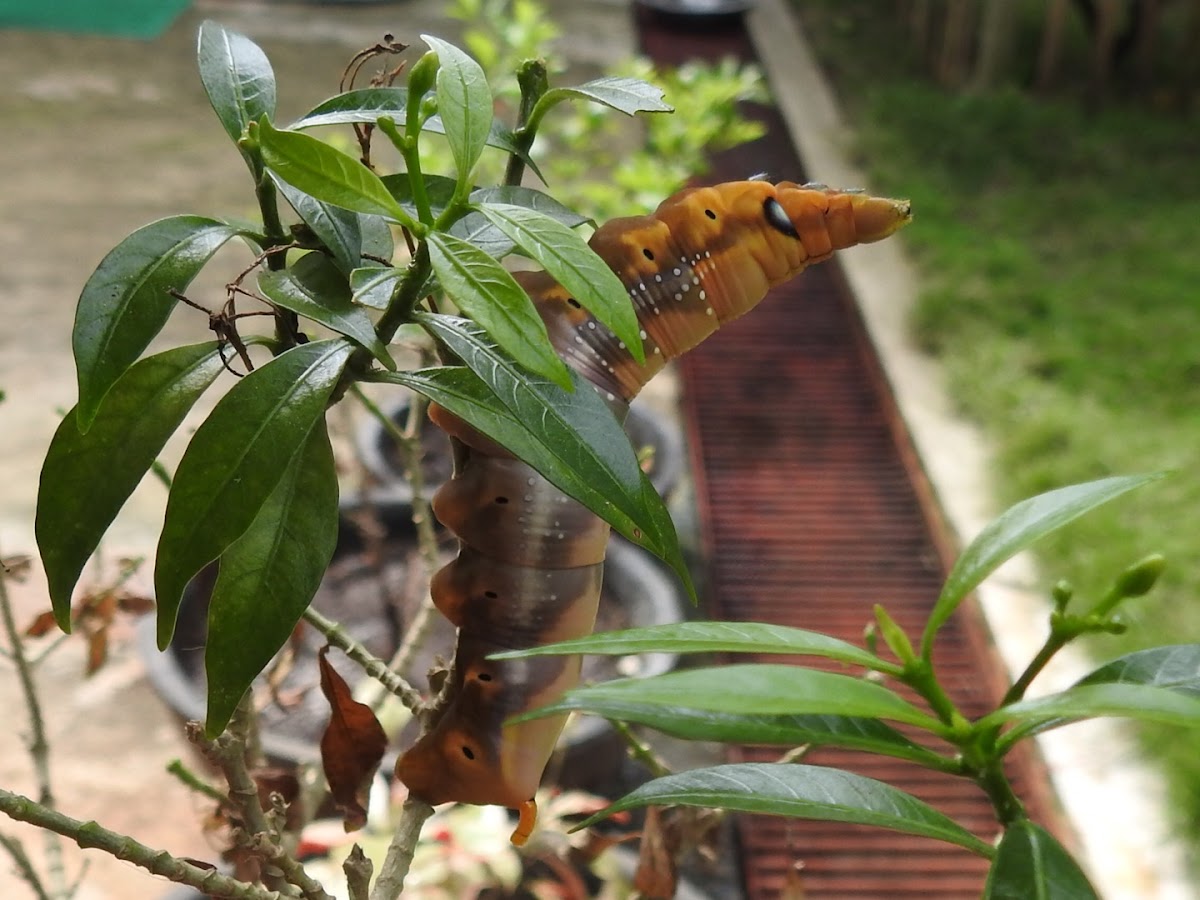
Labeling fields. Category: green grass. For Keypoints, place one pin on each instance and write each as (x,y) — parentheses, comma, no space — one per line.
(1059,252)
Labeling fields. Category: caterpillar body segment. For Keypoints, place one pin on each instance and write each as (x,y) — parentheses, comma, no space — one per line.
(529,567)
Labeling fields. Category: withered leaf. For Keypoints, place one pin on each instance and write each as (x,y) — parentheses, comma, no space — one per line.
(42,624)
(351,748)
(656,874)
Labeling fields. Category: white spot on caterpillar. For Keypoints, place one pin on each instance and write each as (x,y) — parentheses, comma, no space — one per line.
(642,286)
(678,271)
(707,255)
(709,311)
(695,280)
(642,333)
(578,339)
(621,344)
(531,481)
(529,498)
(609,394)
(592,325)
(687,287)
(703,294)
(678,296)
(658,278)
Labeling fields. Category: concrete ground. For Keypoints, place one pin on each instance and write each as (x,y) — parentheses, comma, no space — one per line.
(105,135)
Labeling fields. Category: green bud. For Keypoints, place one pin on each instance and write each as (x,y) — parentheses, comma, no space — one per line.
(423,75)
(894,636)
(1139,578)
(871,637)
(1062,593)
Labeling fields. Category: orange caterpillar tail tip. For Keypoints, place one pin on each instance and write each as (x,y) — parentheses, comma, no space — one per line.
(527,812)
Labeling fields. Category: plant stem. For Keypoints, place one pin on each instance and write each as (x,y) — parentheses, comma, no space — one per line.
(1055,642)
(400,851)
(38,746)
(371,664)
(90,835)
(534,80)
(640,750)
(193,781)
(999,790)
(24,867)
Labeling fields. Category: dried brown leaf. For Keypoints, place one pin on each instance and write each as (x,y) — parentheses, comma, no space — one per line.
(351,748)
(656,874)
(42,624)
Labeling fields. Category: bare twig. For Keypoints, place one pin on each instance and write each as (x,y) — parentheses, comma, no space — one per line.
(371,664)
(39,748)
(92,836)
(400,851)
(358,869)
(24,867)
(193,781)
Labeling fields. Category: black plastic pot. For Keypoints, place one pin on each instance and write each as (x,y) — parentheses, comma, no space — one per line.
(362,589)
(645,428)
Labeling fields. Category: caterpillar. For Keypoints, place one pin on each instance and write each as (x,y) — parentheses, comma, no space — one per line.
(529,566)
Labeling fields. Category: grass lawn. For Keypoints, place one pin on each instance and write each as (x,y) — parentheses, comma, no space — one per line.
(1059,250)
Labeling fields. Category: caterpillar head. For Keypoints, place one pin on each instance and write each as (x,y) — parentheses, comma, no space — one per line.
(848,217)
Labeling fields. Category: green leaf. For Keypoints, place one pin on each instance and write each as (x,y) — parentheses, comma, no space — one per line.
(1176,667)
(576,427)
(361,106)
(755,689)
(269,575)
(851,732)
(620,92)
(439,191)
(373,286)
(1088,701)
(1015,530)
(485,291)
(529,198)
(578,467)
(1031,865)
(566,256)
(87,477)
(326,174)
(710,637)
(235,460)
(125,303)
(237,78)
(347,235)
(464,104)
(798,791)
(315,289)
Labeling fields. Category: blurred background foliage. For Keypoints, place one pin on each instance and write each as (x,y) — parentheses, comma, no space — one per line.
(1052,153)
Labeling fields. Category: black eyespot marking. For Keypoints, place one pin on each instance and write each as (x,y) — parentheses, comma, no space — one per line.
(491,595)
(484,676)
(468,752)
(710,213)
(501,500)
(778,219)
(573,302)
(646,253)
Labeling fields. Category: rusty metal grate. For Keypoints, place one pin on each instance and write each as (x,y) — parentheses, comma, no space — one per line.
(813,508)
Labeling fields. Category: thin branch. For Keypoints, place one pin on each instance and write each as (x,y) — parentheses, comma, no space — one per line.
(193,781)
(371,664)
(358,869)
(39,748)
(400,851)
(24,867)
(92,836)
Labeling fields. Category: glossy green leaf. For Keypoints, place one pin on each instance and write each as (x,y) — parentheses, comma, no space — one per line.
(269,575)
(566,256)
(1088,701)
(542,438)
(315,289)
(373,286)
(439,191)
(484,290)
(799,791)
(349,236)
(576,427)
(126,302)
(326,174)
(361,106)
(464,104)
(620,92)
(237,78)
(1176,667)
(710,637)
(870,735)
(758,689)
(1014,531)
(87,477)
(529,198)
(236,459)
(1031,865)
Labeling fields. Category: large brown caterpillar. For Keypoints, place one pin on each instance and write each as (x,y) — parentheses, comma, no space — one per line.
(530,562)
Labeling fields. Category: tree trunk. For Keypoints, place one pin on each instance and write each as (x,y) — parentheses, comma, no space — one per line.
(1052,37)
(956,44)
(995,43)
